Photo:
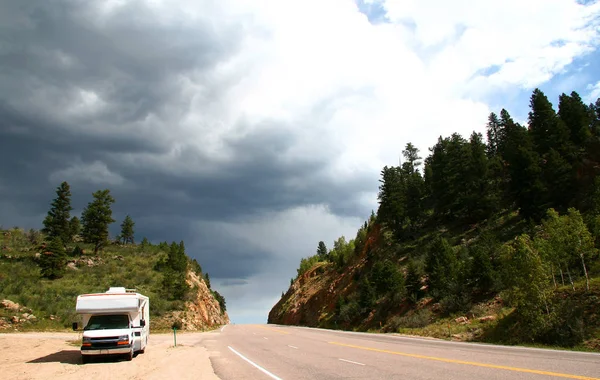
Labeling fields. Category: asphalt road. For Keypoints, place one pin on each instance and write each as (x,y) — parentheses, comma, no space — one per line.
(283,352)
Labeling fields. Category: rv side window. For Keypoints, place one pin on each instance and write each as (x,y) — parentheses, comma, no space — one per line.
(106,322)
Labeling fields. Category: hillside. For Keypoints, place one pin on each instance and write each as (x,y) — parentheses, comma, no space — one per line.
(33,303)
(493,241)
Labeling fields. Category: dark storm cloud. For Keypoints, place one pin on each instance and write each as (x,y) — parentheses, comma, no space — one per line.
(133,63)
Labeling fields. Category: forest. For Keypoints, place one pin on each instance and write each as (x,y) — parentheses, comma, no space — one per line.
(513,215)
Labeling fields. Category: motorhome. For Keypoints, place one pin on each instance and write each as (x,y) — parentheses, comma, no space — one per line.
(116,322)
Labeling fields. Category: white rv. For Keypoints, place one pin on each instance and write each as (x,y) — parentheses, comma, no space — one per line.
(115,322)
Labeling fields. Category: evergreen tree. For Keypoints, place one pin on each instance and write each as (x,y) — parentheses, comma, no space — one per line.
(56,223)
(96,218)
(52,262)
(443,268)
(576,116)
(547,130)
(413,282)
(221,301)
(127,232)
(75,226)
(175,272)
(482,274)
(525,188)
(494,135)
(322,251)
(207,279)
(479,198)
(557,175)
(392,200)
(414,188)
(386,278)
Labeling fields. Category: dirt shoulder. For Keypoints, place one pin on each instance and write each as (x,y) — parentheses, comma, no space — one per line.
(56,355)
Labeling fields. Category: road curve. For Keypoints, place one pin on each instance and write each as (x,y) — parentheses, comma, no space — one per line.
(285,352)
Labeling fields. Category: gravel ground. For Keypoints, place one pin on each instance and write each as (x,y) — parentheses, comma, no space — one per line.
(56,355)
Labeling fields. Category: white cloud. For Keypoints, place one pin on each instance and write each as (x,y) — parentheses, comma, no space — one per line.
(96,173)
(594,92)
(381,90)
(364,91)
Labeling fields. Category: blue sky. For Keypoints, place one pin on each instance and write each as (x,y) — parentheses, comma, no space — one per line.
(578,76)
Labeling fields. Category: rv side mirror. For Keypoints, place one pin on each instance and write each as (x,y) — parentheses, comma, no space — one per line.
(142,323)
(74,326)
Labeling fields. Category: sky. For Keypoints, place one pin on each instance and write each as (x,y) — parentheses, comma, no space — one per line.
(251,130)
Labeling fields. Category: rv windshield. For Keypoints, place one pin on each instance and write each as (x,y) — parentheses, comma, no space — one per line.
(106,322)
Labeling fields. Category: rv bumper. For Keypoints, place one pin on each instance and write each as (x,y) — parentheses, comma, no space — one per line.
(124,349)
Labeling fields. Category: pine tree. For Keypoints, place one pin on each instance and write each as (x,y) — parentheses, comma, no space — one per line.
(442,267)
(576,116)
(221,300)
(392,200)
(547,130)
(127,230)
(413,282)
(96,218)
(56,223)
(322,251)
(414,188)
(175,272)
(479,200)
(557,175)
(494,135)
(52,262)
(75,226)
(482,275)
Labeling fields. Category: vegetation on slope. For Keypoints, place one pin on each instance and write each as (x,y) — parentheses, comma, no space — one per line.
(508,227)
(44,271)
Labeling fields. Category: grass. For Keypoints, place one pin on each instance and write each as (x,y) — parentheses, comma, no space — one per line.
(505,328)
(53,301)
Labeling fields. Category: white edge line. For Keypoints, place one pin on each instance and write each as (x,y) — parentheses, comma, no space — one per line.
(255,365)
(222,328)
(293,347)
(265,337)
(350,361)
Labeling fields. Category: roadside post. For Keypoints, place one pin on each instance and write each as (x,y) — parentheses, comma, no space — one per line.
(175,326)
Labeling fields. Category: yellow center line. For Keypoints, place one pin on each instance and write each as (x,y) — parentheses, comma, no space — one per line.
(273,329)
(470,363)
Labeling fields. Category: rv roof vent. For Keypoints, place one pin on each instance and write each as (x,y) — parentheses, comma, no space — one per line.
(114,289)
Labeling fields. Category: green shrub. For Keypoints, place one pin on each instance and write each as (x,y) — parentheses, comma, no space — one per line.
(417,319)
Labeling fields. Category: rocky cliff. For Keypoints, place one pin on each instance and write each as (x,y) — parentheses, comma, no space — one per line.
(312,297)
(200,313)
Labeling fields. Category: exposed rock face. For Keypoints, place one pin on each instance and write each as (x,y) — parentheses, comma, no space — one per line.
(312,297)
(203,312)
(10,305)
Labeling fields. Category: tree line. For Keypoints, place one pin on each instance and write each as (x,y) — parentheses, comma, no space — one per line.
(93,228)
(544,174)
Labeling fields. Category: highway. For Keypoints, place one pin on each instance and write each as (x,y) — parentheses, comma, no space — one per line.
(285,352)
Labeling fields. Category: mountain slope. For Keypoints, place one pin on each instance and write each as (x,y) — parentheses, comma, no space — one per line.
(31,302)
